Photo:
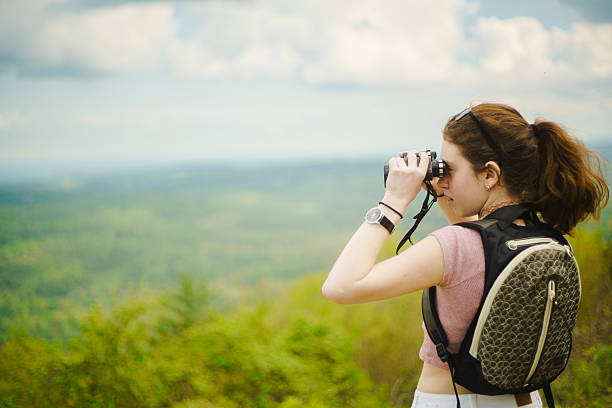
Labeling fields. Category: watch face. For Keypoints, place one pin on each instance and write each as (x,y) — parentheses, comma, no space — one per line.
(373,215)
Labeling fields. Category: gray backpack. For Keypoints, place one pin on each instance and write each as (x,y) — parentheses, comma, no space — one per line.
(520,339)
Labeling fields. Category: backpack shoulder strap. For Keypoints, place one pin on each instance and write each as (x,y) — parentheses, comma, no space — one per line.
(550,400)
(436,332)
(432,323)
(503,217)
(509,213)
(479,225)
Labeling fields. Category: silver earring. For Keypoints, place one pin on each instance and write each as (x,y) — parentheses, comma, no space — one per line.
(487,187)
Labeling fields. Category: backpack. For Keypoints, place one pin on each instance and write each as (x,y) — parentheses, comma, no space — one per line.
(520,339)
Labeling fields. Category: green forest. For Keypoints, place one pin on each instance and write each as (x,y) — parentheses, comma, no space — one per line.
(199,286)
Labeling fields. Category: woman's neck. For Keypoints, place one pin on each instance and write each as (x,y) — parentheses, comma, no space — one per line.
(494,207)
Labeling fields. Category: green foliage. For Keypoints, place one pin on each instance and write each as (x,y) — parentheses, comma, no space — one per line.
(174,350)
(29,372)
(588,376)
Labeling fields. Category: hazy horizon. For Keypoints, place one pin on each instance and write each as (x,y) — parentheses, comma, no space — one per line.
(15,173)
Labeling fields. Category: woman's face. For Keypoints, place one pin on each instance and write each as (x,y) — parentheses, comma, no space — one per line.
(462,186)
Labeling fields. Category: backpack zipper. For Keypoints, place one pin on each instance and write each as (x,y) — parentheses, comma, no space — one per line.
(516,243)
(544,332)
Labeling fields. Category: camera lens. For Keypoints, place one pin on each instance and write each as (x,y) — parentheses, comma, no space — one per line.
(438,168)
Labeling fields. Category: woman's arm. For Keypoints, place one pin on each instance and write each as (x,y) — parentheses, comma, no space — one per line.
(355,278)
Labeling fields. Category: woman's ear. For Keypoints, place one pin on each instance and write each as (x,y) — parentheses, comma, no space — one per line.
(492,174)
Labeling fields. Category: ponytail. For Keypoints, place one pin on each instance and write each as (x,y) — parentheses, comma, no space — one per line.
(570,186)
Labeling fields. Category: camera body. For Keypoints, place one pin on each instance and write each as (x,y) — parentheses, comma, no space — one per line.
(436,168)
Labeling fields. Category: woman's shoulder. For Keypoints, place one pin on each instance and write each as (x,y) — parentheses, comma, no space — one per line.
(462,251)
(456,233)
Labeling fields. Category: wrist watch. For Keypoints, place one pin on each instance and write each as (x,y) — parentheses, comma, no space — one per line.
(376,216)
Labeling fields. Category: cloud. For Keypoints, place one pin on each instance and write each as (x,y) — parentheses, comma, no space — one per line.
(191,60)
(129,37)
(363,43)
(234,39)
(520,49)
(391,42)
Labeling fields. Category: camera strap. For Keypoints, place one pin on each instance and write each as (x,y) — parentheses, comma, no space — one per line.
(425,207)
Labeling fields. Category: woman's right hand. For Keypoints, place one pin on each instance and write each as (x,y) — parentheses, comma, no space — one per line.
(405,179)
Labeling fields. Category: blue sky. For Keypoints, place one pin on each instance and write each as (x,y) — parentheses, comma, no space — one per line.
(93,82)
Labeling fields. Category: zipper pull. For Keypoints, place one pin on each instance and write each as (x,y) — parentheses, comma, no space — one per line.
(551,290)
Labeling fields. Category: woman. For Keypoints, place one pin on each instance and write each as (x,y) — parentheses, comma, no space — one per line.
(495,158)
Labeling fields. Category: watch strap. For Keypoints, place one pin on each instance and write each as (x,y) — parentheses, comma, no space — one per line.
(385,222)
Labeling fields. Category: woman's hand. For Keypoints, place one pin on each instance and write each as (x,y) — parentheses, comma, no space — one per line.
(404,180)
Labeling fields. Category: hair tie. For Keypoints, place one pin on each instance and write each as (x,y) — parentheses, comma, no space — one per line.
(535,130)
(392,209)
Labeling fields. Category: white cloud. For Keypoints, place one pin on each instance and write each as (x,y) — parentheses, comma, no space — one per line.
(391,42)
(591,45)
(193,60)
(243,39)
(512,45)
(364,42)
(122,38)
(115,39)
(520,49)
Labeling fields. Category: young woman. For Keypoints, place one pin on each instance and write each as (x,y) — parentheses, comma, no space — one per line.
(495,159)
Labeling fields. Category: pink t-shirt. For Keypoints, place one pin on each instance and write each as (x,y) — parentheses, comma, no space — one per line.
(458,294)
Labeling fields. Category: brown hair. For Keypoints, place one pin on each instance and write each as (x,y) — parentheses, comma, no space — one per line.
(545,167)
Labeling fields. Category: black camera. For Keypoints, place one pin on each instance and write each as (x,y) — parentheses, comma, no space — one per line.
(437,167)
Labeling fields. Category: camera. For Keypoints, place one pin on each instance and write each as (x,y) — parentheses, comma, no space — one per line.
(437,167)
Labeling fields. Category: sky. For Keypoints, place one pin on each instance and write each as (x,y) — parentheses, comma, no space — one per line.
(93,82)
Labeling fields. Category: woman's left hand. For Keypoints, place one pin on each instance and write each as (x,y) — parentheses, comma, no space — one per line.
(404,180)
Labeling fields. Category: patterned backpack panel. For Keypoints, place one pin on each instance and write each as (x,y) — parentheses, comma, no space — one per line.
(524,332)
